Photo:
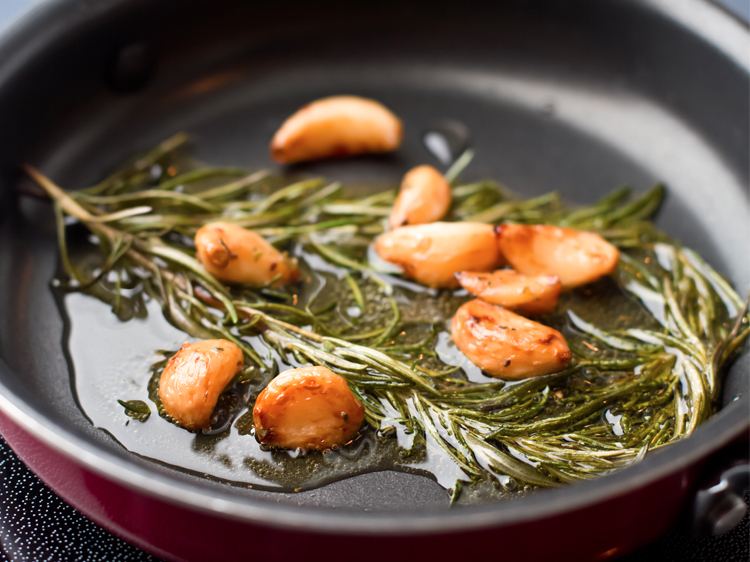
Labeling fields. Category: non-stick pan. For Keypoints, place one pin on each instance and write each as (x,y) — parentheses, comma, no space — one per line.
(579,96)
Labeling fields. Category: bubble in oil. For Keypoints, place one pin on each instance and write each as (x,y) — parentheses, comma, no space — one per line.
(446,140)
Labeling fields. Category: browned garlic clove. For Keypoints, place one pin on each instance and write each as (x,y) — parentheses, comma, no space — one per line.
(193,379)
(237,255)
(334,127)
(576,257)
(425,197)
(307,408)
(526,294)
(505,345)
(432,254)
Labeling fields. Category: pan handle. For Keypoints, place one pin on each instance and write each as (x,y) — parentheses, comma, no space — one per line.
(720,506)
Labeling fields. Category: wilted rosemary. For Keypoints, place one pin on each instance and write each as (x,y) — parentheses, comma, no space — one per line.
(634,385)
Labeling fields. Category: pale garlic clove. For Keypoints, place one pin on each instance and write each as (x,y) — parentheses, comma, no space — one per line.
(576,257)
(307,408)
(193,379)
(505,345)
(526,294)
(334,127)
(425,197)
(432,254)
(237,255)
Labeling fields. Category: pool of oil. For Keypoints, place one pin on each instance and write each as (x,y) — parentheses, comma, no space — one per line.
(118,342)
(112,357)
(112,361)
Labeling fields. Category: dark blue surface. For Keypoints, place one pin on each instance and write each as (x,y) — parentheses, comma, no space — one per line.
(36,525)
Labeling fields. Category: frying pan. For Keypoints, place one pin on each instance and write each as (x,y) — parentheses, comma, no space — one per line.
(579,96)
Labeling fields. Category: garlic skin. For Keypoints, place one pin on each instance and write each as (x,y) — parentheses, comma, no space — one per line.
(237,255)
(336,126)
(505,345)
(311,408)
(193,379)
(530,295)
(425,197)
(432,254)
(576,257)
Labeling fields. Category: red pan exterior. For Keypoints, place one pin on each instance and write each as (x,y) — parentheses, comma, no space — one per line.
(601,531)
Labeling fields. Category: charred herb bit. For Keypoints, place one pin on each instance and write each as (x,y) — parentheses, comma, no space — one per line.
(628,389)
(136,409)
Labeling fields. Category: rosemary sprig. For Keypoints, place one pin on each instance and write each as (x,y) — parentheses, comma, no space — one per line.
(653,384)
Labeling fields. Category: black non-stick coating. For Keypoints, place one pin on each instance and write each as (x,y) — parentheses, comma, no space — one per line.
(580,96)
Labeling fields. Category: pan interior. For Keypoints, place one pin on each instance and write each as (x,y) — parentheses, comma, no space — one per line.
(554,99)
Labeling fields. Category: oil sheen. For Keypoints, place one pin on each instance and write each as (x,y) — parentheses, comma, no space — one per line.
(112,357)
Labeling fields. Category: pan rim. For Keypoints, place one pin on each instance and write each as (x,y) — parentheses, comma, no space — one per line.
(725,427)
(730,423)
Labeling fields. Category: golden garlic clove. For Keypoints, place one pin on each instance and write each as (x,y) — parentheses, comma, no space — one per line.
(307,408)
(526,294)
(193,379)
(237,255)
(432,254)
(334,127)
(576,257)
(505,345)
(425,197)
